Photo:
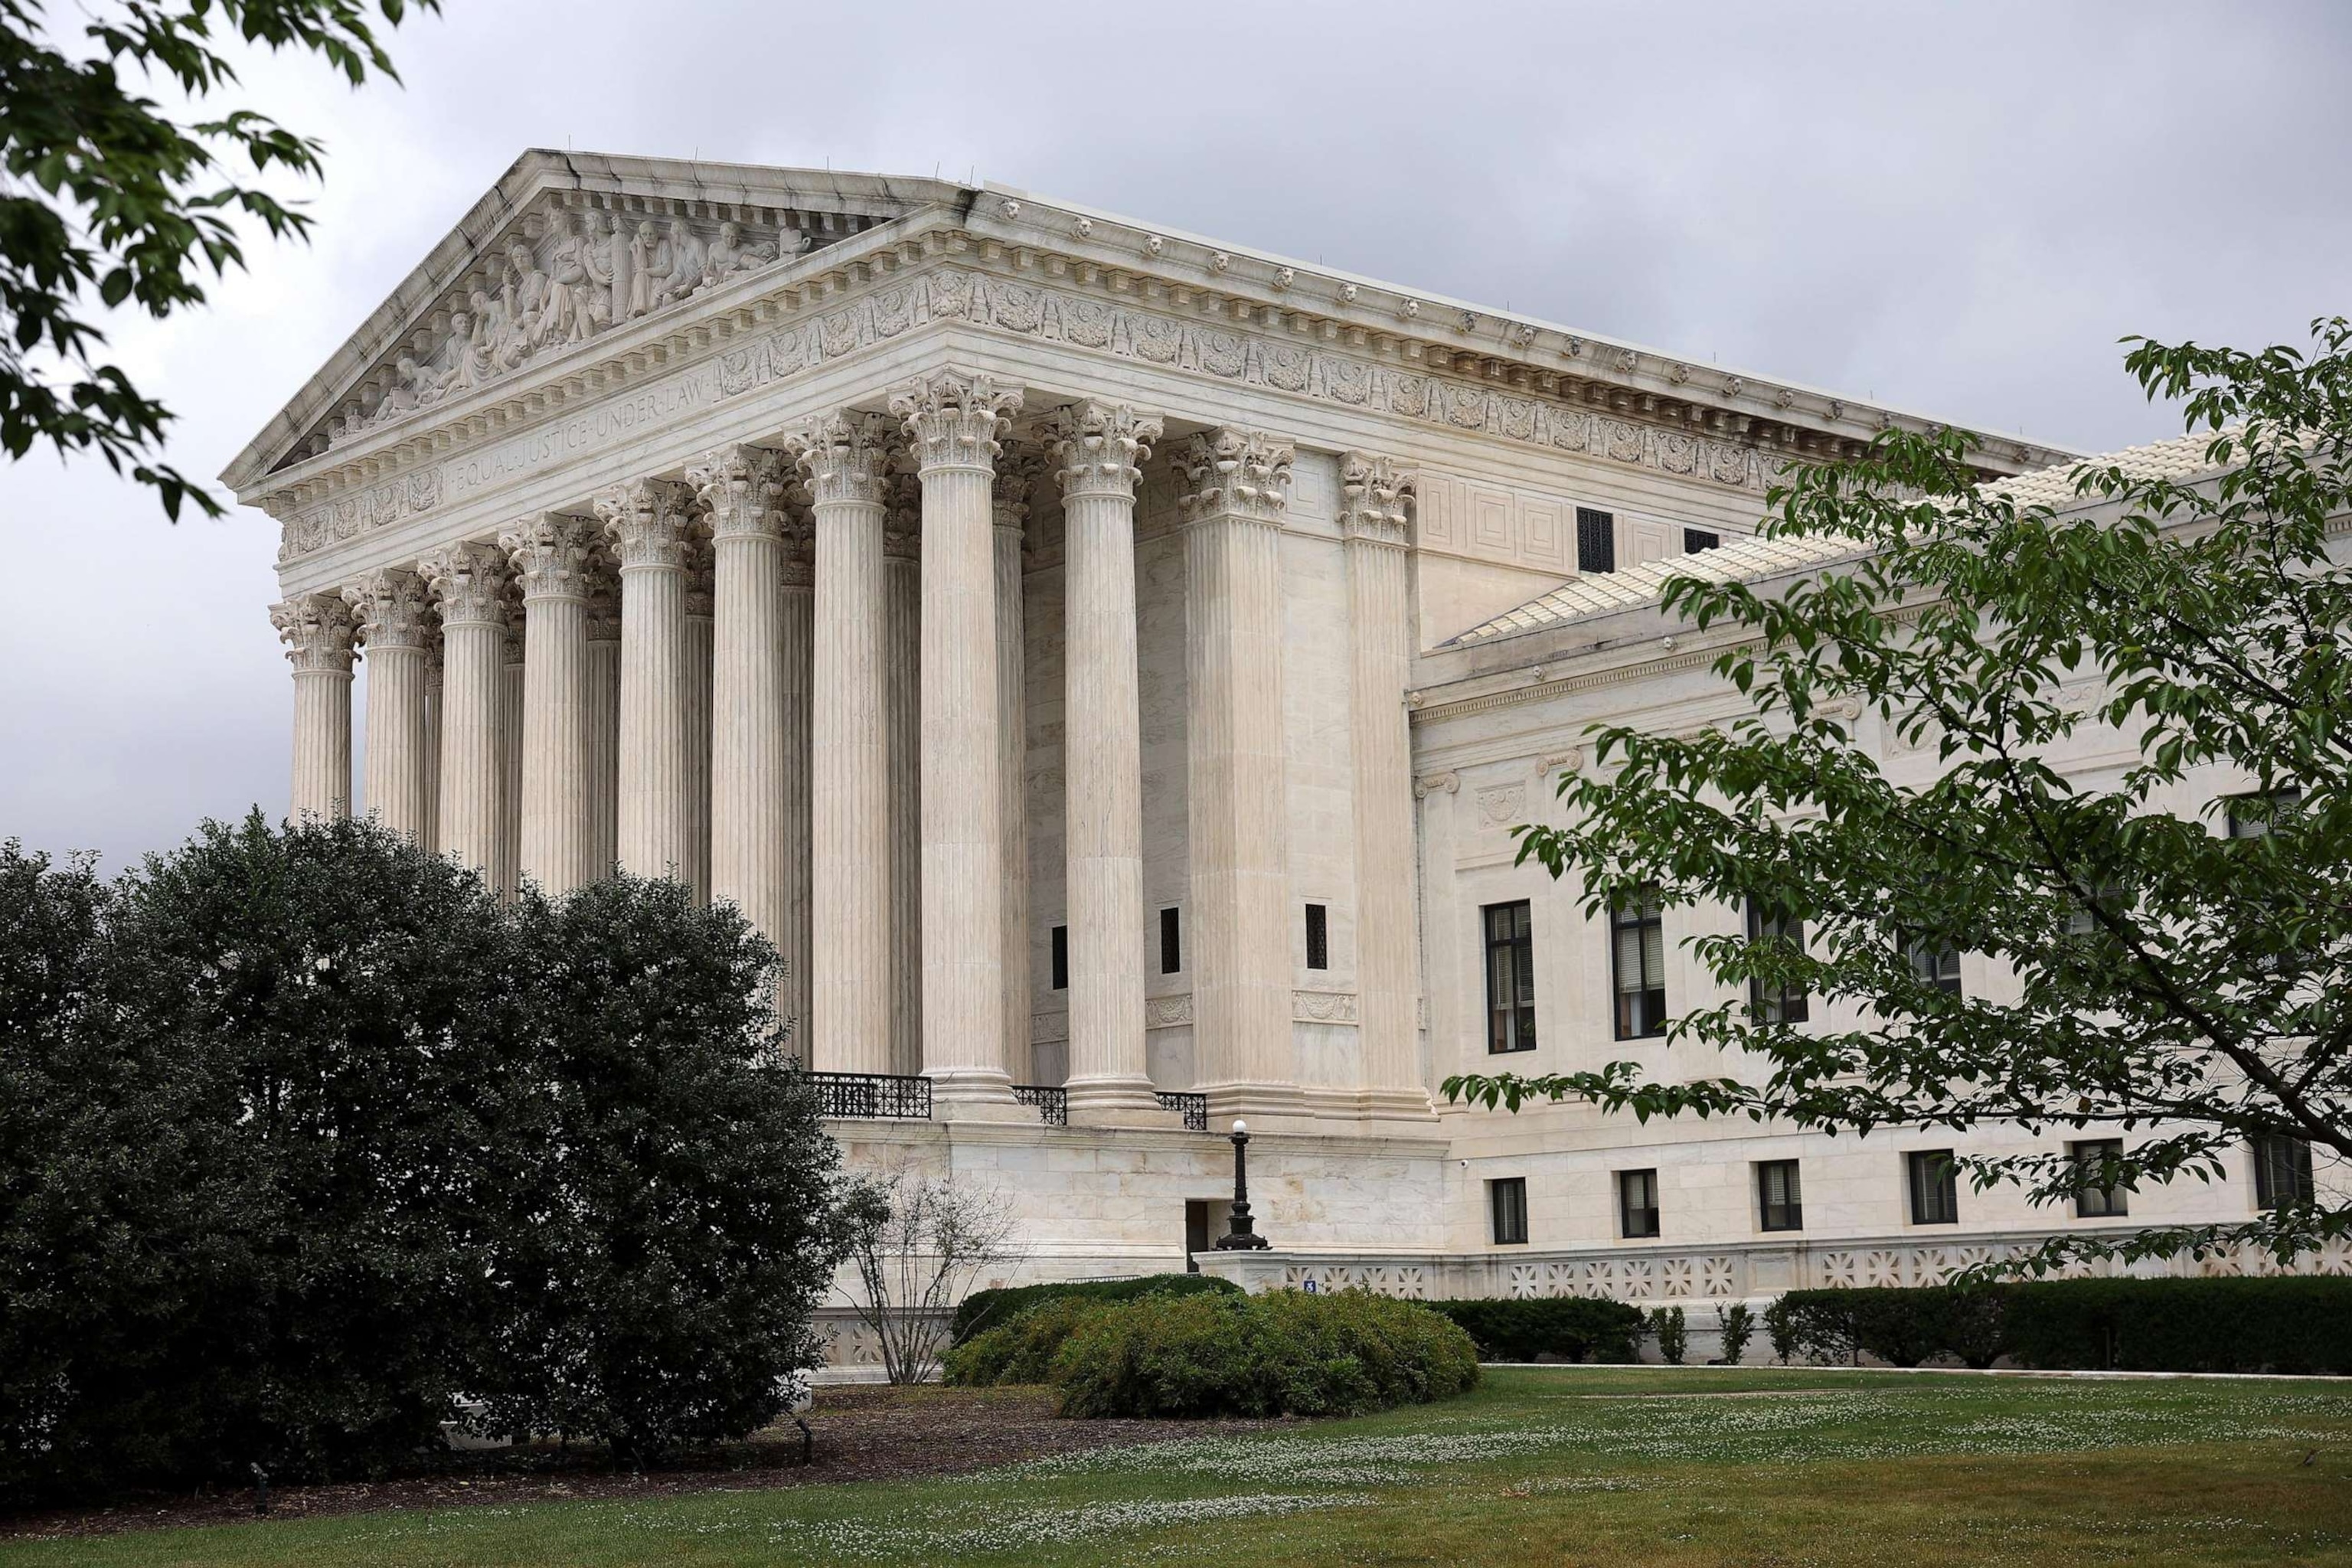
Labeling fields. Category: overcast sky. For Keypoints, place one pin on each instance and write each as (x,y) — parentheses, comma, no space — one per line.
(1956,209)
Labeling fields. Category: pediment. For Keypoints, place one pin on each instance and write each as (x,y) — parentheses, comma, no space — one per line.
(567,247)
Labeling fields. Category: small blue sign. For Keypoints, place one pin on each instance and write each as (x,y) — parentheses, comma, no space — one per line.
(1309,1287)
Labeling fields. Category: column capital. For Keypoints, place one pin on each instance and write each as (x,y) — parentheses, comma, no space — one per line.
(742,490)
(603,609)
(1018,469)
(317,630)
(1376,499)
(391,607)
(512,617)
(845,456)
(902,526)
(701,580)
(1234,473)
(954,418)
(648,521)
(470,580)
(553,555)
(1099,448)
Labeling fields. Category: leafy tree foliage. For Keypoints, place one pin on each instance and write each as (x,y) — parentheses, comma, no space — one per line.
(102,193)
(314,1147)
(2175,986)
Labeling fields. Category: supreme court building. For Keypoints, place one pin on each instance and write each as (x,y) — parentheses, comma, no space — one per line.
(1108,663)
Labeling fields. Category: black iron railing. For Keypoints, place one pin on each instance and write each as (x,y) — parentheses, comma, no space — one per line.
(878,1095)
(1195,1107)
(1053,1102)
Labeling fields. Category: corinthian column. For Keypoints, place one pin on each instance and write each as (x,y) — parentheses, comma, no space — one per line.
(393,611)
(741,489)
(1097,449)
(1236,488)
(845,458)
(431,837)
(507,868)
(795,938)
(552,557)
(469,580)
(1017,472)
(603,720)
(902,697)
(700,635)
(649,524)
(317,631)
(953,421)
(1375,496)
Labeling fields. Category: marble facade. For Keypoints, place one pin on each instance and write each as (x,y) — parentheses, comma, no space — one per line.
(950,578)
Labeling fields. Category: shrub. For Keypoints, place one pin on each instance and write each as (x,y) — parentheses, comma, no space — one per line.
(1022,1350)
(1673,1331)
(1572,1328)
(989,1309)
(1286,1354)
(1734,1325)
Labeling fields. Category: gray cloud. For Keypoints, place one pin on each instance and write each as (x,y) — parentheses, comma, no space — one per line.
(1957,209)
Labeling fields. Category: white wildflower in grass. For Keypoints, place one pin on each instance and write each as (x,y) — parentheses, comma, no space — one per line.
(943,1531)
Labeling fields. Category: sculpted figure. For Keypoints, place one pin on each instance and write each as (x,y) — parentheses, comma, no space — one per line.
(608,260)
(526,294)
(570,290)
(729,256)
(648,270)
(687,260)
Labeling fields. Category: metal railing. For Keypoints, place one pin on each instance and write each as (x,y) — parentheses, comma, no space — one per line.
(1195,1107)
(1052,1101)
(881,1096)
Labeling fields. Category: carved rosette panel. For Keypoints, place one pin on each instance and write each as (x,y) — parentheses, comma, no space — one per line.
(392,609)
(954,420)
(648,522)
(554,556)
(317,632)
(1376,496)
(844,457)
(469,580)
(742,491)
(1231,472)
(1099,448)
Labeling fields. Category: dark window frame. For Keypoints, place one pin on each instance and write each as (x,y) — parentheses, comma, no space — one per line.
(1318,936)
(1638,1013)
(2282,1162)
(1596,540)
(1783,1210)
(1171,941)
(1057,959)
(1632,1217)
(1511,1023)
(1696,540)
(1938,967)
(2277,802)
(1934,1180)
(1782,1007)
(1506,1210)
(2091,1202)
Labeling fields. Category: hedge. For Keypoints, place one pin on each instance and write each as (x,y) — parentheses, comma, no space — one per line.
(1573,1328)
(2292,1324)
(987,1309)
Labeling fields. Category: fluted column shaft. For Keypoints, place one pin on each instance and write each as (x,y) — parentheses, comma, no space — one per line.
(902,696)
(1236,489)
(742,491)
(469,580)
(1098,449)
(1014,476)
(795,938)
(603,725)
(392,613)
(431,837)
(953,421)
(1375,495)
(647,523)
(553,556)
(844,458)
(701,638)
(317,632)
(506,868)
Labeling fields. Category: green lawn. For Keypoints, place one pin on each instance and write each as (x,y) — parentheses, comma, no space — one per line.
(1537,1467)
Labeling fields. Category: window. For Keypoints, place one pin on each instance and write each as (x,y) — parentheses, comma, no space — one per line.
(1319,937)
(2108,896)
(1935,965)
(2282,1171)
(1596,540)
(1698,539)
(1777,1004)
(1061,958)
(2251,816)
(1637,1202)
(2091,1200)
(1172,943)
(1637,935)
(1507,1200)
(1510,978)
(1778,1199)
(1935,1187)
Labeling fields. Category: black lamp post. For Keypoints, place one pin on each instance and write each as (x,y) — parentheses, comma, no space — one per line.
(1240,1238)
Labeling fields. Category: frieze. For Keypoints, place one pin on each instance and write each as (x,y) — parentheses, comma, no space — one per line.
(1323,1006)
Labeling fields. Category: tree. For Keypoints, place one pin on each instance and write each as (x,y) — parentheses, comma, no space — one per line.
(920,1243)
(2178,935)
(107,194)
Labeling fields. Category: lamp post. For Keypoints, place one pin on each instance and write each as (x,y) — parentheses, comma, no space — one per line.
(1240,1238)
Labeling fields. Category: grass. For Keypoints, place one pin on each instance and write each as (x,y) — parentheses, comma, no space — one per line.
(1693,1468)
